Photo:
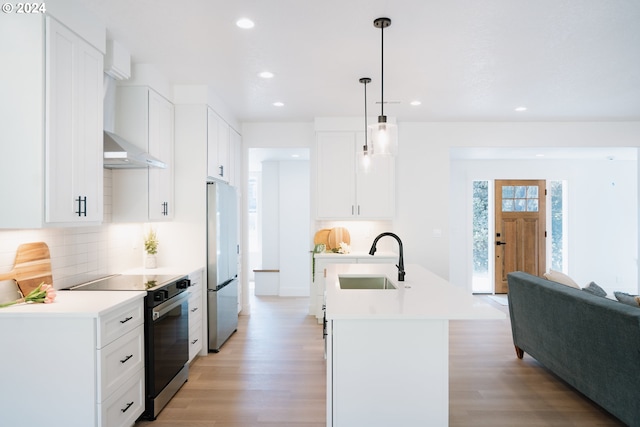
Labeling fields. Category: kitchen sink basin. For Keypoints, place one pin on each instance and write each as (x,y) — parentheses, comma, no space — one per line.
(365,282)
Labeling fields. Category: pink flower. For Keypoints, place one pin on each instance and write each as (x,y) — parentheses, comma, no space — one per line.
(44,293)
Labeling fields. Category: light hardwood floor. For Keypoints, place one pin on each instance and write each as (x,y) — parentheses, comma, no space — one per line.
(272,373)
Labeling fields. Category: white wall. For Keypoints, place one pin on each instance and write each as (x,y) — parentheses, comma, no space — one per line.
(295,259)
(270,215)
(602,215)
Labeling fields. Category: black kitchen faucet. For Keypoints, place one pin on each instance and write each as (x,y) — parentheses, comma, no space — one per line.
(400,264)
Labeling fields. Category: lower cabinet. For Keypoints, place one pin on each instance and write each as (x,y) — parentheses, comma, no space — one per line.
(384,372)
(195,314)
(82,367)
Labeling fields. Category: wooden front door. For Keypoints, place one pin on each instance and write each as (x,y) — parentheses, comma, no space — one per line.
(520,229)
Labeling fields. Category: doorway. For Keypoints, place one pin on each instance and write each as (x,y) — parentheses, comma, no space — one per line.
(278,199)
(520,229)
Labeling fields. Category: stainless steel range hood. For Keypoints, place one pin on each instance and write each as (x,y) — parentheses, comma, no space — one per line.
(118,152)
(121,154)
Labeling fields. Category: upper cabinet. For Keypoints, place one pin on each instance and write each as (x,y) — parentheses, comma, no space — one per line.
(345,189)
(222,144)
(73,123)
(235,159)
(51,155)
(146,119)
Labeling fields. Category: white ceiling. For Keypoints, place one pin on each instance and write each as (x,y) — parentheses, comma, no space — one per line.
(465,60)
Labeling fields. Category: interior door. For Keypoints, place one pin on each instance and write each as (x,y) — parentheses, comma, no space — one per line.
(520,226)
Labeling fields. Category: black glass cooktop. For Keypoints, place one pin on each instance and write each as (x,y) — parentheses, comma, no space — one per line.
(126,282)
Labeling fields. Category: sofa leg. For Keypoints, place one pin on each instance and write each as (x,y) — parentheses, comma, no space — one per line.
(519,352)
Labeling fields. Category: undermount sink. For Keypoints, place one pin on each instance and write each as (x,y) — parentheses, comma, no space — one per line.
(365,282)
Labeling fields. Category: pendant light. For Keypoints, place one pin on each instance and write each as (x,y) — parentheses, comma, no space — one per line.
(366,150)
(384,135)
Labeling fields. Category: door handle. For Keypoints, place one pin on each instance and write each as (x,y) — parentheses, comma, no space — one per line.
(501,243)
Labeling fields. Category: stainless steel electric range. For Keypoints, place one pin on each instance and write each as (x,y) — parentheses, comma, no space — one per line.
(166,331)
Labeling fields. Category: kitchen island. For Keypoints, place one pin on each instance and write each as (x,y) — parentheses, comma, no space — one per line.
(388,349)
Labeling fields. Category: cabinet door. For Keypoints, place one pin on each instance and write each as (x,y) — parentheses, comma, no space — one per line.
(161,146)
(235,159)
(335,176)
(375,187)
(224,135)
(212,144)
(73,148)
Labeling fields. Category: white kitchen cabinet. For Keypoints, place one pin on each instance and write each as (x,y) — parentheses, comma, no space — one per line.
(76,362)
(217,146)
(220,140)
(345,189)
(235,159)
(53,155)
(196,309)
(146,119)
(322,260)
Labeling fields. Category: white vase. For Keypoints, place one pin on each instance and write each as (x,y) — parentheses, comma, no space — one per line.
(150,261)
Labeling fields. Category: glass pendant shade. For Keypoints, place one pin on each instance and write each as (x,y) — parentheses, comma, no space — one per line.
(384,137)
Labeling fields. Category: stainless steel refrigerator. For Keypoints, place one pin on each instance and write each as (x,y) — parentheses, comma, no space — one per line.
(222,263)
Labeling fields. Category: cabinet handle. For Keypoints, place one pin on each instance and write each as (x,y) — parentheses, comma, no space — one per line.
(126,320)
(352,210)
(193,310)
(165,208)
(82,206)
(221,170)
(126,358)
(358,209)
(127,407)
(194,341)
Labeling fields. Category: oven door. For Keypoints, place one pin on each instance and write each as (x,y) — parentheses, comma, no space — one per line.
(168,342)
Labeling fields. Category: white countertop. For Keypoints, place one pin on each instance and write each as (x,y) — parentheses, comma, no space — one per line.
(75,304)
(423,295)
(357,254)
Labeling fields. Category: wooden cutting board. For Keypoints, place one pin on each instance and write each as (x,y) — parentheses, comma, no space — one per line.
(337,235)
(322,236)
(31,267)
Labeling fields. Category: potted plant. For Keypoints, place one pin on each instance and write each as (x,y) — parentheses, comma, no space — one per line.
(151,249)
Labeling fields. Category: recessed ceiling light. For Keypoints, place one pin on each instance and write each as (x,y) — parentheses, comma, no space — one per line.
(520,109)
(416,103)
(266,74)
(278,104)
(245,23)
(295,156)
(539,155)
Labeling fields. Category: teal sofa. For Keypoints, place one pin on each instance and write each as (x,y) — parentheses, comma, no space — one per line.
(591,342)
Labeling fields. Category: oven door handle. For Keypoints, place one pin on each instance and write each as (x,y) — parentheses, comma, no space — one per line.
(165,307)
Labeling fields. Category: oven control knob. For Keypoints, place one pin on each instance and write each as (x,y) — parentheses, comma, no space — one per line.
(161,295)
(183,284)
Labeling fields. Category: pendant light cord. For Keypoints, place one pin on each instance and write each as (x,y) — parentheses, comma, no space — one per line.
(382,70)
(366,127)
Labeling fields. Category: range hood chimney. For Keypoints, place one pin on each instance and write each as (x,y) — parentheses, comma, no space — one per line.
(118,152)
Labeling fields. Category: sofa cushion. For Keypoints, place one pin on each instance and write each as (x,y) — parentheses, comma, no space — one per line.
(595,289)
(558,277)
(625,298)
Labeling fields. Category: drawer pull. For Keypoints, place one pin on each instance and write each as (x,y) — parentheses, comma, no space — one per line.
(194,341)
(126,320)
(126,358)
(127,407)
(193,310)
